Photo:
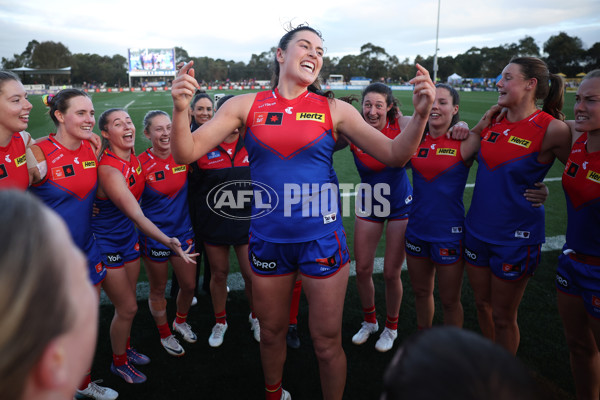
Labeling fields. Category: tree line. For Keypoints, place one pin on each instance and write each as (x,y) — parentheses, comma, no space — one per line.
(562,53)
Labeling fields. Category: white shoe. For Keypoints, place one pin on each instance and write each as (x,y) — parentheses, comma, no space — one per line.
(217,335)
(285,395)
(194,301)
(186,331)
(172,346)
(254,327)
(386,340)
(364,332)
(97,392)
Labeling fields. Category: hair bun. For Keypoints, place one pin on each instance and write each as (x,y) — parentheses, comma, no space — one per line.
(47,99)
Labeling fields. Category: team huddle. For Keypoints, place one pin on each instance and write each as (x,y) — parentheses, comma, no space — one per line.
(120,207)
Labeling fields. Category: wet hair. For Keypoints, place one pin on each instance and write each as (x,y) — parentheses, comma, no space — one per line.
(60,101)
(150,116)
(34,305)
(463,364)
(223,99)
(103,124)
(7,76)
(200,94)
(550,87)
(285,40)
(386,92)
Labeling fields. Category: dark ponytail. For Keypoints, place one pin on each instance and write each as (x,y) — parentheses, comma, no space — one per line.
(550,87)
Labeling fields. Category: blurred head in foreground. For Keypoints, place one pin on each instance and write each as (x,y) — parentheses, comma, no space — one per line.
(48,307)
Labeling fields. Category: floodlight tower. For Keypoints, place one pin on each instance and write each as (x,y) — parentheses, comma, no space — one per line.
(437,32)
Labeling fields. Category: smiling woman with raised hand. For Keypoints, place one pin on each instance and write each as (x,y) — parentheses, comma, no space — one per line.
(121,183)
(290,133)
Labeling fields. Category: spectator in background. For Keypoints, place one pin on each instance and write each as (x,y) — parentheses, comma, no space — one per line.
(48,306)
(455,364)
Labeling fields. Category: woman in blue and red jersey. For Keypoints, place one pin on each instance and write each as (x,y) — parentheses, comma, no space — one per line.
(14,141)
(225,171)
(121,183)
(504,233)
(290,133)
(578,273)
(435,232)
(164,201)
(385,195)
(66,180)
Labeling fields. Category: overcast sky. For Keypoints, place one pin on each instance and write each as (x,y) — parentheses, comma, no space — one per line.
(235,29)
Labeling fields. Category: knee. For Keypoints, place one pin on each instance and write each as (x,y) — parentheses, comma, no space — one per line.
(187,286)
(582,348)
(270,336)
(157,292)
(126,311)
(451,304)
(327,347)
(364,271)
(483,306)
(219,277)
(422,293)
(392,275)
(504,319)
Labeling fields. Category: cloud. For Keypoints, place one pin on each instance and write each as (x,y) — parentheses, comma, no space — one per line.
(235,31)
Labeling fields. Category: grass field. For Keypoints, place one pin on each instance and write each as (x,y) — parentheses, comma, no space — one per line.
(233,370)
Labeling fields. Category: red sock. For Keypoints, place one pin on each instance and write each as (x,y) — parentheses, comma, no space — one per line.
(221,318)
(163,330)
(392,323)
(86,381)
(295,303)
(119,359)
(369,315)
(273,392)
(180,318)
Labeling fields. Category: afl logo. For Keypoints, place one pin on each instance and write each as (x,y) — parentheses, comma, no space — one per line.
(230,198)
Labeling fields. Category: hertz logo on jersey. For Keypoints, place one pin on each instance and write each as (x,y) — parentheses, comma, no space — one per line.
(181,168)
(593,176)
(306,116)
(445,152)
(89,164)
(520,142)
(21,160)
